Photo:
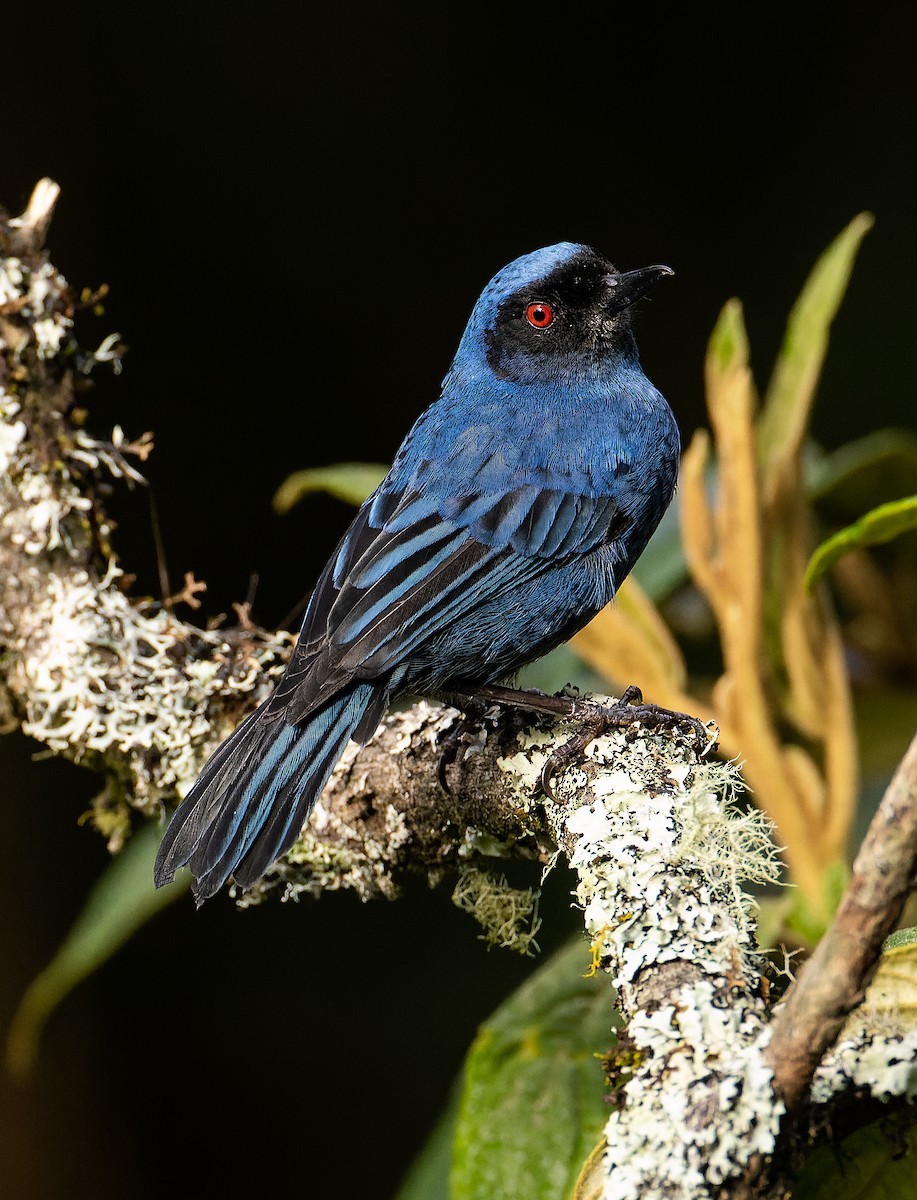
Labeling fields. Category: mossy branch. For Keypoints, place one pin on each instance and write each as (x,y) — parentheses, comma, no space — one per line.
(660,851)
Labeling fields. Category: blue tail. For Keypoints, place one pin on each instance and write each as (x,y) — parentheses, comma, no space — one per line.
(255,792)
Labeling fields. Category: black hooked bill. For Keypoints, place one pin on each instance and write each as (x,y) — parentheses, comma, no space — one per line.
(624,289)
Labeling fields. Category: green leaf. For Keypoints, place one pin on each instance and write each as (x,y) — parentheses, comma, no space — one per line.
(807,922)
(867,472)
(428,1177)
(591,1182)
(351,482)
(788,402)
(531,1108)
(122,900)
(886,717)
(727,349)
(878,1162)
(880,525)
(901,938)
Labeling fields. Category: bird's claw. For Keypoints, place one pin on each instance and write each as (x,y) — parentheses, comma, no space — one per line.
(592,725)
(629,711)
(449,742)
(446,758)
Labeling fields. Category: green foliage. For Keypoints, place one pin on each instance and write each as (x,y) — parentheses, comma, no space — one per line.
(530,1105)
(882,524)
(122,900)
(901,937)
(878,1162)
(428,1177)
(805,921)
(790,915)
(492,1155)
(891,999)
(788,401)
(728,346)
(862,474)
(351,482)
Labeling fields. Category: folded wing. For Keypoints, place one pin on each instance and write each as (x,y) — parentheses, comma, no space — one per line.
(410,565)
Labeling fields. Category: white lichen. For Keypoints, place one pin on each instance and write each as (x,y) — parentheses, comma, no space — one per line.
(655,834)
(36,294)
(479,842)
(110,352)
(100,675)
(12,278)
(704,1077)
(35,524)
(882,1064)
(49,335)
(94,674)
(661,848)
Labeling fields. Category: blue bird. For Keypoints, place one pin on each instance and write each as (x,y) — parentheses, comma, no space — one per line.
(513,510)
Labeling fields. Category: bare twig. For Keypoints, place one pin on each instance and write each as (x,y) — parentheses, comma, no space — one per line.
(834,979)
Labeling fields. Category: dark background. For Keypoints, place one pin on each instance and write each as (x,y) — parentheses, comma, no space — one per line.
(295,212)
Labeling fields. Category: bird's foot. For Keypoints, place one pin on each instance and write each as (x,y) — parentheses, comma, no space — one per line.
(627,712)
(459,733)
(594,719)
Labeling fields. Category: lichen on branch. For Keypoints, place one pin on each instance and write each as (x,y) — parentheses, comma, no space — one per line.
(660,844)
(120,684)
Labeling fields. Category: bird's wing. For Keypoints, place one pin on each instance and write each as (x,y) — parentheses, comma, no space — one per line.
(409,565)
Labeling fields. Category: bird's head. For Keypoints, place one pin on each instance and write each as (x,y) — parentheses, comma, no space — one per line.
(561,312)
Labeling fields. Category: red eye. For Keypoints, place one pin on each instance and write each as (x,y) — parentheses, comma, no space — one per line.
(539,315)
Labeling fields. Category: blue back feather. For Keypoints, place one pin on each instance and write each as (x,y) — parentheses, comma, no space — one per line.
(512,511)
